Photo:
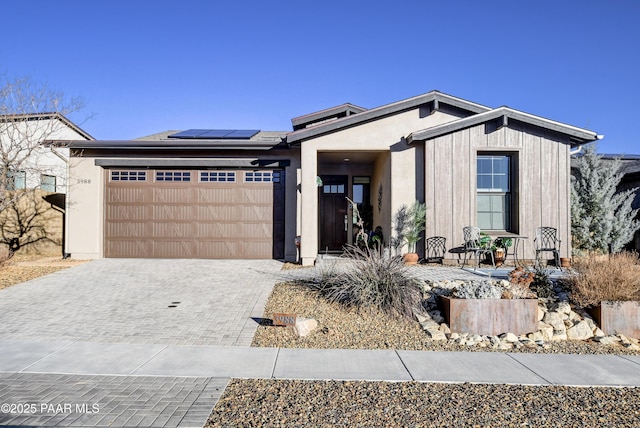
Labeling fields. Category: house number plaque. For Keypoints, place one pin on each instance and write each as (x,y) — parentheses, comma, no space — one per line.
(284,319)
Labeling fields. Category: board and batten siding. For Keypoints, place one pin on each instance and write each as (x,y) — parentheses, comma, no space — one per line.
(541,185)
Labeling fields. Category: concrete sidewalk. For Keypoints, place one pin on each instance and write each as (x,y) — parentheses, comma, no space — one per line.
(87,358)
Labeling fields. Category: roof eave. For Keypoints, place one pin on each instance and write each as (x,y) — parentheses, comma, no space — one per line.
(577,135)
(164,145)
(382,111)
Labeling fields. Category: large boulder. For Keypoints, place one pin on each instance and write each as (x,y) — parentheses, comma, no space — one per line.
(580,331)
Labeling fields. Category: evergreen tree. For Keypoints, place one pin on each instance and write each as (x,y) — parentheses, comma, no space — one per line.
(600,216)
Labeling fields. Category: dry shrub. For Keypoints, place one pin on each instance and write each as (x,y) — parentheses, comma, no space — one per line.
(371,280)
(597,278)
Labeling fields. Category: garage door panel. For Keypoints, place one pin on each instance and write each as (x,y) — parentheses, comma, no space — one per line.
(127,212)
(194,219)
(126,229)
(219,230)
(217,213)
(174,249)
(219,249)
(127,195)
(182,194)
(253,213)
(221,195)
(172,230)
(129,248)
(173,212)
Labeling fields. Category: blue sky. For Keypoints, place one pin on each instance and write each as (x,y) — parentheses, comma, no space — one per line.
(145,66)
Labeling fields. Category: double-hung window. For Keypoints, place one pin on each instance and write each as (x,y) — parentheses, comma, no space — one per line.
(494,183)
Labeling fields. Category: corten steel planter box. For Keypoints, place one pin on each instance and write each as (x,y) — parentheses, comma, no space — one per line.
(618,318)
(491,317)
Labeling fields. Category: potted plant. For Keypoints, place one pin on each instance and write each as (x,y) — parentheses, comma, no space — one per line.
(499,247)
(414,227)
(408,223)
(609,288)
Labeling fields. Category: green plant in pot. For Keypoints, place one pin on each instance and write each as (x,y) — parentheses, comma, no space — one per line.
(410,227)
(499,247)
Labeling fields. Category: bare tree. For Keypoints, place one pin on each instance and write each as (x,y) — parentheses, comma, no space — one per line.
(29,114)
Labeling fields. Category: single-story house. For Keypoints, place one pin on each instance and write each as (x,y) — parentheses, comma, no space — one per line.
(216,193)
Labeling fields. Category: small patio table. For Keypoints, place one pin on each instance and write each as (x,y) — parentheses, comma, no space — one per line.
(517,241)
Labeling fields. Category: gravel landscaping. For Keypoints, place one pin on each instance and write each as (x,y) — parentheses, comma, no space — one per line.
(283,403)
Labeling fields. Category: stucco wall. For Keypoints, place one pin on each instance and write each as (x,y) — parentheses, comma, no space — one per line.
(383,135)
(85,208)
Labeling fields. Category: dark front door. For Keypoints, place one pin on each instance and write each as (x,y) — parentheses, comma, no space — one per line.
(333,212)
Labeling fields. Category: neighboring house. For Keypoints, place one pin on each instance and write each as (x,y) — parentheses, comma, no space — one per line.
(46,167)
(217,194)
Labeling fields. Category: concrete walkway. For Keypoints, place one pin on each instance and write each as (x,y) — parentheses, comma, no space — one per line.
(154,343)
(86,358)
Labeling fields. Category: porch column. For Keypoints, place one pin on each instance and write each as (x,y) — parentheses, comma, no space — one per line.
(309,205)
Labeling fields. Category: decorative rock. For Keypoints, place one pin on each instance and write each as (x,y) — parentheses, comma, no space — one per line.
(304,326)
(591,323)
(429,324)
(541,313)
(455,336)
(563,308)
(559,335)
(606,340)
(509,337)
(536,336)
(436,334)
(597,332)
(445,328)
(545,330)
(624,340)
(505,346)
(420,316)
(580,331)
(574,316)
(555,320)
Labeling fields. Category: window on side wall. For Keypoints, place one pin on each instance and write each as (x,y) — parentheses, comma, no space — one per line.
(494,188)
(17,180)
(48,183)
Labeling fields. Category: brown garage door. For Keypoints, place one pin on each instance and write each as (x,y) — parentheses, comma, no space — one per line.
(194,214)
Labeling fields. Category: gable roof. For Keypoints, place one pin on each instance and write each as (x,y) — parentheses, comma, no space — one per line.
(333,113)
(433,98)
(46,116)
(577,135)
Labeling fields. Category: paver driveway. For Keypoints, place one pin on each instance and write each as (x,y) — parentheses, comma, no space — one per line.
(143,301)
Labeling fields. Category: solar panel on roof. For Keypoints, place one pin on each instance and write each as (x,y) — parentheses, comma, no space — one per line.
(242,134)
(189,133)
(217,134)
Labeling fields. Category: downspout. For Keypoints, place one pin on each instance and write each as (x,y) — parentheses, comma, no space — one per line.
(65,255)
(64,159)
